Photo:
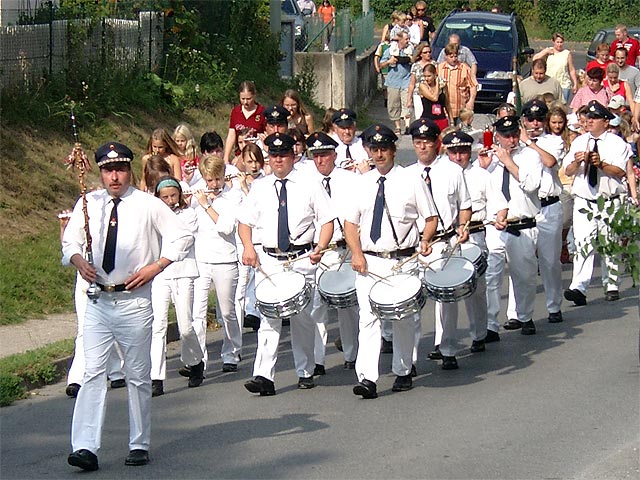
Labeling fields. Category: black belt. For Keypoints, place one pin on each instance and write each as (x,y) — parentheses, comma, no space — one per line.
(475,227)
(338,243)
(294,251)
(404,252)
(112,288)
(514,226)
(443,235)
(545,202)
(606,199)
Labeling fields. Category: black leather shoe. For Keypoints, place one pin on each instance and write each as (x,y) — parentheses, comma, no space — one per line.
(477,346)
(575,296)
(261,385)
(251,321)
(366,389)
(338,343)
(72,390)
(83,459)
(403,383)
(196,374)
(137,458)
(157,388)
(528,328)
(512,324)
(414,372)
(319,370)
(449,363)
(349,365)
(185,371)
(435,354)
(492,337)
(386,346)
(229,367)
(119,383)
(612,296)
(555,317)
(305,383)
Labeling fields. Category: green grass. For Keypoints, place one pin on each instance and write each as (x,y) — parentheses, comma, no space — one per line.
(33,283)
(36,367)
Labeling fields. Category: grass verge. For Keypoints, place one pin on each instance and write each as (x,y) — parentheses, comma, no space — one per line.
(23,371)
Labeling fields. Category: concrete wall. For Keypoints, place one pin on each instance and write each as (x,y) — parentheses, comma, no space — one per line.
(344,80)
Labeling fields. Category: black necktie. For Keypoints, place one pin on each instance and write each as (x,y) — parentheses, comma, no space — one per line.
(427,179)
(283,218)
(348,153)
(593,170)
(378,207)
(505,183)
(327,187)
(109,258)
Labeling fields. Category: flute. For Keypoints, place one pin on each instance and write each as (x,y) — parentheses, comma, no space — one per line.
(215,191)
(235,175)
(62,215)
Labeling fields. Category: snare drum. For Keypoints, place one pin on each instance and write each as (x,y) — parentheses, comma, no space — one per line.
(456,281)
(475,255)
(338,287)
(397,296)
(283,294)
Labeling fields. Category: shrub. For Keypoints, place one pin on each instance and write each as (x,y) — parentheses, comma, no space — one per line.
(11,389)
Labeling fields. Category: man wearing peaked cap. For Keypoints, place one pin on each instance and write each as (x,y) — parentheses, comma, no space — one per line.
(457,139)
(120,311)
(288,208)
(598,159)
(276,115)
(445,182)
(549,220)
(378,241)
(516,172)
(338,183)
(351,154)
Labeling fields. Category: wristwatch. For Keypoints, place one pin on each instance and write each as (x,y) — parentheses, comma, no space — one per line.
(528,143)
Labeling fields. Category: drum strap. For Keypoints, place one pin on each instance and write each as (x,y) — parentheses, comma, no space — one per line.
(393,229)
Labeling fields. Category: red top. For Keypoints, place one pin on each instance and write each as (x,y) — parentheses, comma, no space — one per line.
(631,45)
(596,63)
(256,121)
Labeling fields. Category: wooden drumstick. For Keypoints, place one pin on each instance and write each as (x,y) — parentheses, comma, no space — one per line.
(399,265)
(287,263)
(260,269)
(466,226)
(379,277)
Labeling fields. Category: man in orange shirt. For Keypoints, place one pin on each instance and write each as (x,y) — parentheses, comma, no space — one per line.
(461,84)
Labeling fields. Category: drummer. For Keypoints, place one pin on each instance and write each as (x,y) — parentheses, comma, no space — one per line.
(516,170)
(380,229)
(446,184)
(338,183)
(284,208)
(458,145)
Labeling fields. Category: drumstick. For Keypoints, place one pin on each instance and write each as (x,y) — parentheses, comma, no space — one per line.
(399,265)
(259,267)
(382,279)
(426,265)
(306,255)
(343,257)
(492,222)
(466,226)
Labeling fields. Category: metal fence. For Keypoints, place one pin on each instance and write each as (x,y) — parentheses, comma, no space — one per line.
(28,52)
(344,32)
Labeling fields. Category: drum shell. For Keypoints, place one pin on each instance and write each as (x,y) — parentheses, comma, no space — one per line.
(480,261)
(399,310)
(344,299)
(450,293)
(284,308)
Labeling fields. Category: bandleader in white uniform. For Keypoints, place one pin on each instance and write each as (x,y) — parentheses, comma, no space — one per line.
(380,229)
(284,208)
(151,237)
(598,161)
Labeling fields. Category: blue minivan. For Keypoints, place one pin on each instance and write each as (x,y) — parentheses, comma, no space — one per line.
(500,44)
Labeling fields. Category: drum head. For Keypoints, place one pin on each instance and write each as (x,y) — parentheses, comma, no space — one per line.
(338,281)
(395,289)
(470,251)
(280,287)
(457,271)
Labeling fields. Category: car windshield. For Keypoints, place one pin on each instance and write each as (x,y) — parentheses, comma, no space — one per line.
(477,35)
(288,8)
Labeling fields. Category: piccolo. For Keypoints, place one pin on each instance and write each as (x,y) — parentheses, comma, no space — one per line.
(62,215)
(535,130)
(215,191)
(235,175)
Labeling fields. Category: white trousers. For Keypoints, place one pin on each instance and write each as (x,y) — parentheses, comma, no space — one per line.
(584,230)
(475,305)
(417,105)
(404,331)
(76,370)
(178,291)
(246,290)
(519,252)
(549,244)
(126,319)
(347,317)
(302,326)
(224,278)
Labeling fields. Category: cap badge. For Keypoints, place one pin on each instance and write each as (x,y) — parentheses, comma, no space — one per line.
(317,143)
(275,114)
(534,108)
(377,137)
(112,153)
(455,140)
(344,116)
(592,108)
(277,142)
(507,123)
(423,129)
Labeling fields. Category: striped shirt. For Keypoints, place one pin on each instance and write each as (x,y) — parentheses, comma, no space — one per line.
(459,81)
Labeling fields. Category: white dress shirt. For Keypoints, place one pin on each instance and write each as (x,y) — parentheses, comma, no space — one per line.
(407,199)
(186,267)
(307,206)
(480,189)
(342,183)
(147,231)
(550,185)
(356,149)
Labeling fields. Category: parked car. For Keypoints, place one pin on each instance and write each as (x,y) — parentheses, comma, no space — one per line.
(290,8)
(607,35)
(500,44)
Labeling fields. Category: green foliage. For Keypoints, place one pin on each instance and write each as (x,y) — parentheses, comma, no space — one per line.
(305,82)
(621,239)
(35,367)
(578,19)
(32,281)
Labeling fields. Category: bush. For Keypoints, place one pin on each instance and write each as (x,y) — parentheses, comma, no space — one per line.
(11,389)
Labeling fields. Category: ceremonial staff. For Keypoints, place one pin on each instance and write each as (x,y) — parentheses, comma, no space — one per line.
(77,159)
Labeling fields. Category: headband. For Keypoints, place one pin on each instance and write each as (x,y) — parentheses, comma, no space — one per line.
(168,182)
